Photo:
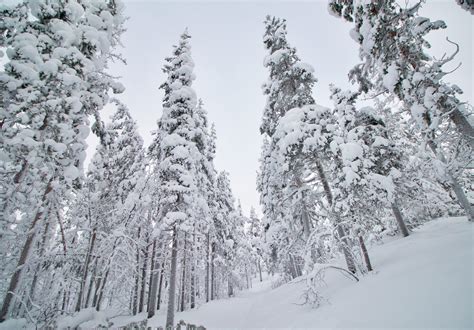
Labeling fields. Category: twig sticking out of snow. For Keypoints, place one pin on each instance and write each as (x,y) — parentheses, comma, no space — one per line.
(315,279)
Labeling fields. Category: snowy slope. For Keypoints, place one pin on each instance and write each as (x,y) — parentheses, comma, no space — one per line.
(425,280)
(422,281)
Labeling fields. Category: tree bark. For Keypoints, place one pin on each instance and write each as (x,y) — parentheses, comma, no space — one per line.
(63,236)
(246,277)
(213,248)
(137,279)
(259,269)
(65,301)
(98,285)
(102,289)
(144,277)
(91,284)
(103,279)
(230,289)
(152,291)
(183,277)
(365,253)
(193,289)
(31,295)
(461,196)
(160,285)
(86,264)
(340,231)
(172,284)
(292,266)
(207,268)
(15,279)
(85,271)
(305,220)
(463,125)
(193,261)
(298,267)
(401,223)
(345,249)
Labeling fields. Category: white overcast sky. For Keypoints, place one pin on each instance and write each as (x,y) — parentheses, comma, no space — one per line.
(228,53)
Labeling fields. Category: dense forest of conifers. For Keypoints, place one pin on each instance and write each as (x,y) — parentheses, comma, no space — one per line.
(147,228)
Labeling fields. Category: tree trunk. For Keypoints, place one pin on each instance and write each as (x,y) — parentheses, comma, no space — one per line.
(160,285)
(102,289)
(144,277)
(152,290)
(183,277)
(365,253)
(401,223)
(193,261)
(259,269)
(91,284)
(86,270)
(299,272)
(65,300)
(98,285)
(137,278)
(63,236)
(31,296)
(193,289)
(292,266)
(207,268)
(345,249)
(230,289)
(463,125)
(172,284)
(246,277)
(197,286)
(340,231)
(462,199)
(15,279)
(461,196)
(305,220)
(213,248)
(297,267)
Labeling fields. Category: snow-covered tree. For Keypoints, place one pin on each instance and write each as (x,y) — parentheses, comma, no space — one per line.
(392,43)
(256,237)
(467,5)
(290,85)
(113,201)
(302,146)
(55,79)
(290,82)
(179,156)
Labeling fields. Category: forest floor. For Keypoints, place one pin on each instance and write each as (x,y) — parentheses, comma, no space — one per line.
(421,281)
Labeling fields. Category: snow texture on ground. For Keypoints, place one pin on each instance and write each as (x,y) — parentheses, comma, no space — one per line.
(422,281)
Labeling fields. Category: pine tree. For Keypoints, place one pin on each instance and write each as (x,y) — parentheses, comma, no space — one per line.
(178,155)
(256,238)
(113,188)
(302,144)
(55,78)
(289,86)
(290,82)
(392,43)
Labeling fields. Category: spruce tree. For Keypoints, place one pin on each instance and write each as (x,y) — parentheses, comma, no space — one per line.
(392,46)
(290,82)
(55,78)
(289,85)
(177,165)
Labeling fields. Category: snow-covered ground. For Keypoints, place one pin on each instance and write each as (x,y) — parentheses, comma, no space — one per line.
(422,281)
